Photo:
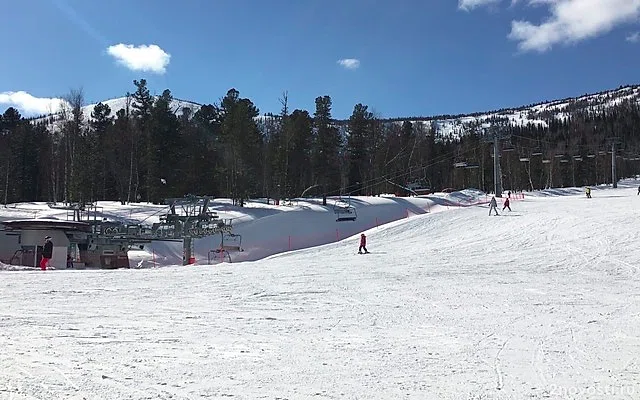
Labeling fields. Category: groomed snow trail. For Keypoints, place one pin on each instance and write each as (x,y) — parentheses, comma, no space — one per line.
(539,303)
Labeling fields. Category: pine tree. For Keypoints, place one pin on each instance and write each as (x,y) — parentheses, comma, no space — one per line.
(100,124)
(142,147)
(327,144)
(72,132)
(300,127)
(242,143)
(11,152)
(165,152)
(120,146)
(358,148)
(203,140)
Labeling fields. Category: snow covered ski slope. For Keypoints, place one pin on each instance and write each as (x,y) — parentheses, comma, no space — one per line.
(539,303)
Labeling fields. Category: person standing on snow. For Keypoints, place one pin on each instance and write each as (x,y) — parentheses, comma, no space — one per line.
(363,244)
(588,192)
(47,253)
(506,204)
(493,205)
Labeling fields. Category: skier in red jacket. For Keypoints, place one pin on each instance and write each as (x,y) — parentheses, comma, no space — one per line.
(363,244)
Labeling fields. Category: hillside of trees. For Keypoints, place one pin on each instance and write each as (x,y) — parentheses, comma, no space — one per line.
(148,152)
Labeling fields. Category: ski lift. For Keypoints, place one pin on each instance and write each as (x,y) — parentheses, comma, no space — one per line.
(591,155)
(344,211)
(231,241)
(472,165)
(577,157)
(460,162)
(508,147)
(524,159)
(220,254)
(536,152)
(419,187)
(546,161)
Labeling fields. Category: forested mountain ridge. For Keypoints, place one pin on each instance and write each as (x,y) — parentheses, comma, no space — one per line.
(443,125)
(147,148)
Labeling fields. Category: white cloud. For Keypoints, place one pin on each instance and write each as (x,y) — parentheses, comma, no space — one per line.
(572,21)
(634,37)
(29,105)
(569,21)
(468,5)
(349,63)
(144,58)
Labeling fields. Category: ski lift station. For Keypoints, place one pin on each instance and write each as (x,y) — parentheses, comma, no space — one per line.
(86,240)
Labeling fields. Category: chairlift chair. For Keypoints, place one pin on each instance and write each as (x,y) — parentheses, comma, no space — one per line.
(344,211)
(231,241)
(419,187)
(508,147)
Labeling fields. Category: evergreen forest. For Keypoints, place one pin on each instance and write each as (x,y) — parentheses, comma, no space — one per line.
(148,151)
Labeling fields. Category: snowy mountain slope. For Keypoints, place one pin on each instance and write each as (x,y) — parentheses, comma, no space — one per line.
(456,125)
(265,229)
(117,104)
(538,114)
(538,303)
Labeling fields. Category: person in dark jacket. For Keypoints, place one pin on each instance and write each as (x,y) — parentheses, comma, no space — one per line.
(363,244)
(506,204)
(47,253)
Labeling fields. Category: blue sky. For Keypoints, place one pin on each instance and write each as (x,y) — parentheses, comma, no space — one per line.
(407,57)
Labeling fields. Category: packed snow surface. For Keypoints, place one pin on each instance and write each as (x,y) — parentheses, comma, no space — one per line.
(542,302)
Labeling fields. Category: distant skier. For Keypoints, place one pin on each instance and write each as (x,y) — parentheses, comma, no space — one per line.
(588,192)
(506,204)
(363,244)
(509,194)
(47,253)
(493,205)
(638,189)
